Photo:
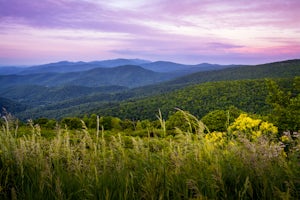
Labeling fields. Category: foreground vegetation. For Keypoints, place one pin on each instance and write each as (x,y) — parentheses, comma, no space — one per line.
(228,154)
(250,160)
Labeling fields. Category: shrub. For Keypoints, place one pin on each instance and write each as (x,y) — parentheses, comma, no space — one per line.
(252,128)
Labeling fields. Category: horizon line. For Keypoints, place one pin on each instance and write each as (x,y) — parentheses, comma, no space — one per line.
(147,61)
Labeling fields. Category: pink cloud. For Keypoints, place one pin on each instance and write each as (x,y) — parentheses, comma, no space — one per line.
(234,12)
(191,29)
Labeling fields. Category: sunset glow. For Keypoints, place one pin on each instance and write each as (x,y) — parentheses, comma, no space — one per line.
(215,31)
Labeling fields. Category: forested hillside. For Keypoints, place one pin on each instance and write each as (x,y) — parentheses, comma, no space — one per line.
(10,106)
(289,68)
(248,95)
(285,69)
(35,95)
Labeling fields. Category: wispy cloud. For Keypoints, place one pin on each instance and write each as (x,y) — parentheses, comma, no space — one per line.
(190,31)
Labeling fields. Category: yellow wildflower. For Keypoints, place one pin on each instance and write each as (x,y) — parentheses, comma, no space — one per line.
(284,138)
(253,128)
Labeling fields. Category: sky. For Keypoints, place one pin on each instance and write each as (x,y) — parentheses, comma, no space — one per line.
(184,31)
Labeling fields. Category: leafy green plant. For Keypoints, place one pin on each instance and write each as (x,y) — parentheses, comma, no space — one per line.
(106,164)
(286,105)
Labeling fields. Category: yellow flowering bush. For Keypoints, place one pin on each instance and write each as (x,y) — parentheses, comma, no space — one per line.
(216,138)
(252,128)
(269,129)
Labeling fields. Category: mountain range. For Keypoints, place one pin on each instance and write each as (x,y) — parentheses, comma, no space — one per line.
(73,88)
(128,76)
(66,66)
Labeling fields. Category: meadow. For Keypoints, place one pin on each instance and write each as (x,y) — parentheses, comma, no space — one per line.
(250,160)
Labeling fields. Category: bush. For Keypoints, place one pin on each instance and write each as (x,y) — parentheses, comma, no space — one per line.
(253,128)
(219,120)
(72,123)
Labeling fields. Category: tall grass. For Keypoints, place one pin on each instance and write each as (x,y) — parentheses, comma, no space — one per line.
(97,165)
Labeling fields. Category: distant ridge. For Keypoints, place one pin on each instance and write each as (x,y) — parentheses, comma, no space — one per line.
(120,62)
(283,69)
(67,66)
(128,76)
(165,66)
(10,70)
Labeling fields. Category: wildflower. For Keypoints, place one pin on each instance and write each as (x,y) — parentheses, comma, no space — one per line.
(284,139)
(252,128)
(217,138)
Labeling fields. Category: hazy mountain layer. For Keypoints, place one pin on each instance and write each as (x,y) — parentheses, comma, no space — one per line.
(105,103)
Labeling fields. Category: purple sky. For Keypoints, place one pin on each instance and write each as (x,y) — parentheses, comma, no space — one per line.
(186,31)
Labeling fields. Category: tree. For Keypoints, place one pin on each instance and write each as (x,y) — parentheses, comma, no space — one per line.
(92,122)
(127,125)
(106,122)
(72,122)
(219,120)
(116,123)
(177,120)
(45,123)
(51,124)
(285,106)
(184,121)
